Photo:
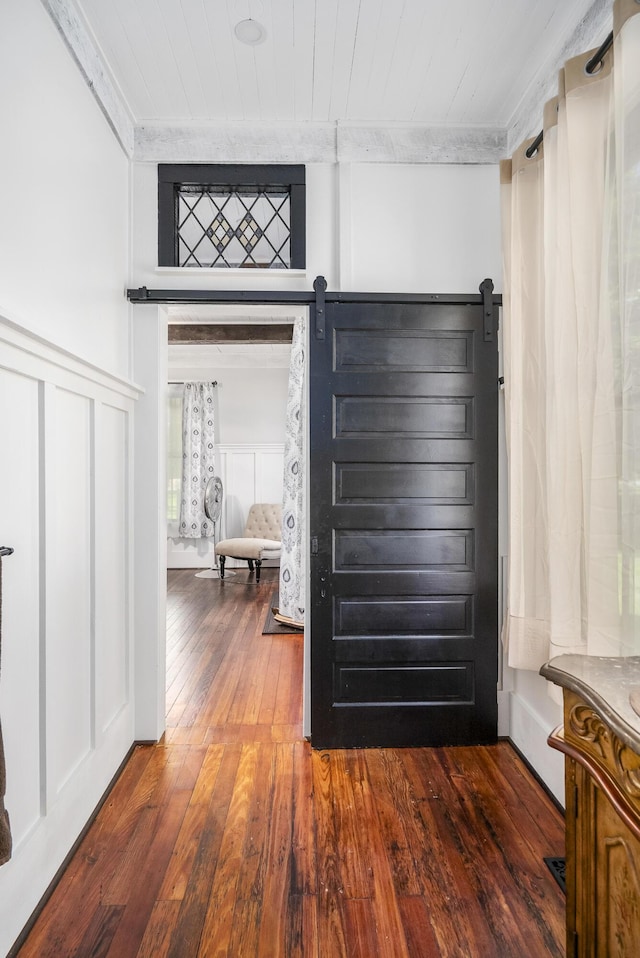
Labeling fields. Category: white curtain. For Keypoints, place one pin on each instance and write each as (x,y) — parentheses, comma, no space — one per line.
(292,559)
(198,458)
(571,233)
(615,555)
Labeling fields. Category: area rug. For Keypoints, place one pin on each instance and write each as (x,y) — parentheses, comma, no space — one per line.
(272,626)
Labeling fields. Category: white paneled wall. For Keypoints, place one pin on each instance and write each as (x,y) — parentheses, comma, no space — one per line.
(20,703)
(66,683)
(112,567)
(250,473)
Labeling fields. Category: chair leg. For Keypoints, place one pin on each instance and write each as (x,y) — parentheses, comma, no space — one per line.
(258,567)
(222,561)
(250,561)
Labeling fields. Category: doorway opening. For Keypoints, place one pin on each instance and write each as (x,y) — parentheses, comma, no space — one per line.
(246,351)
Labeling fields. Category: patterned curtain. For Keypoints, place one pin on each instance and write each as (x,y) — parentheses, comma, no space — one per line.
(292,560)
(198,458)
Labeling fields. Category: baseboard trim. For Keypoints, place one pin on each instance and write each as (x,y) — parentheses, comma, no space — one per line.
(22,937)
(533,772)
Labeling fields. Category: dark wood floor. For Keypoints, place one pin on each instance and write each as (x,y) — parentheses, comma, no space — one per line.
(231,837)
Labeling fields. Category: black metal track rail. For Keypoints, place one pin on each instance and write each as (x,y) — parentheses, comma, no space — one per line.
(291,297)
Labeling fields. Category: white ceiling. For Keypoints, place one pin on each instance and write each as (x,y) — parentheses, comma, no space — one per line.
(434,62)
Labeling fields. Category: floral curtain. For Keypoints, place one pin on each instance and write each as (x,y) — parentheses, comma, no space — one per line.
(292,560)
(198,458)
(571,233)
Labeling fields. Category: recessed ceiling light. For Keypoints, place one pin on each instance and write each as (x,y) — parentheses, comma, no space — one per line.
(250,31)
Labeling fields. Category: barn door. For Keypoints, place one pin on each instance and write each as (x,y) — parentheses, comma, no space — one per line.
(403,521)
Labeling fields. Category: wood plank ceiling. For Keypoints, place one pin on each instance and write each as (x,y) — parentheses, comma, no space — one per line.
(432,62)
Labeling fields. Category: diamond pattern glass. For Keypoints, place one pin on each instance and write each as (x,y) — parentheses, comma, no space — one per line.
(241,227)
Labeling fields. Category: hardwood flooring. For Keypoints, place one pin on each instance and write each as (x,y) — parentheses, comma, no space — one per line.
(231,837)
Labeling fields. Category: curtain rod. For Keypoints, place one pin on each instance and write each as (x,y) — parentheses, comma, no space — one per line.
(5,551)
(589,68)
(181,382)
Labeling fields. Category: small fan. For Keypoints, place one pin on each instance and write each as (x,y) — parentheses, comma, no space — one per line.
(213,511)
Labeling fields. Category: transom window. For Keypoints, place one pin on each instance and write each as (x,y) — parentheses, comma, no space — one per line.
(212,216)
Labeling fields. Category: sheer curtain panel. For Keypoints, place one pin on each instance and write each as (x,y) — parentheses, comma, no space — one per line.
(615,553)
(571,232)
(198,458)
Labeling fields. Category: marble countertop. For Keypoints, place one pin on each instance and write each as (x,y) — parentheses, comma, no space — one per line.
(609,685)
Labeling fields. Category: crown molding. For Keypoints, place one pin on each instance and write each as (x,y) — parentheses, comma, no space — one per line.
(316,143)
(210,142)
(413,143)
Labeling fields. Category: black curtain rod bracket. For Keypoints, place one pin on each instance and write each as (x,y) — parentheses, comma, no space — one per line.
(5,551)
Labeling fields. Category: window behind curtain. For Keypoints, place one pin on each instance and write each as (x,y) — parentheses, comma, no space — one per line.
(174,458)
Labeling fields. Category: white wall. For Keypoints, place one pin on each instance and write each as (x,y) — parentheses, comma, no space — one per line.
(66,437)
(433,229)
(64,241)
(251,404)
(370,227)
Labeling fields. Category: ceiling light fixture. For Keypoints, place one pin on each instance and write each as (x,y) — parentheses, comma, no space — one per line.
(250,32)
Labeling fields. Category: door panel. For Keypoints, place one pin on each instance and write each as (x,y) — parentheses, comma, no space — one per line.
(403,436)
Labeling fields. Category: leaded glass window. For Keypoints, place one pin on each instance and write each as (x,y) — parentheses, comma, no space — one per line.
(231,216)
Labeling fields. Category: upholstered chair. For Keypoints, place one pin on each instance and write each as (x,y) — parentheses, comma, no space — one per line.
(261,538)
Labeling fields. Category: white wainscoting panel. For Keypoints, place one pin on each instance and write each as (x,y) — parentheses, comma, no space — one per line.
(250,473)
(66,706)
(68,600)
(20,672)
(112,625)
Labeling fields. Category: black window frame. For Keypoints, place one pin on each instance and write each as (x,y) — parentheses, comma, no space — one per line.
(171,176)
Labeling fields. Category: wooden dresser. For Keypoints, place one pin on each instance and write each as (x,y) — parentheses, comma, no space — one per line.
(600,739)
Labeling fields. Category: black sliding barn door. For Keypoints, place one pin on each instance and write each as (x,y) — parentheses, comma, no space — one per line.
(403,509)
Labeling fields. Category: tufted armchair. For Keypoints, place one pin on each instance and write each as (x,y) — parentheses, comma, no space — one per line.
(261,539)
